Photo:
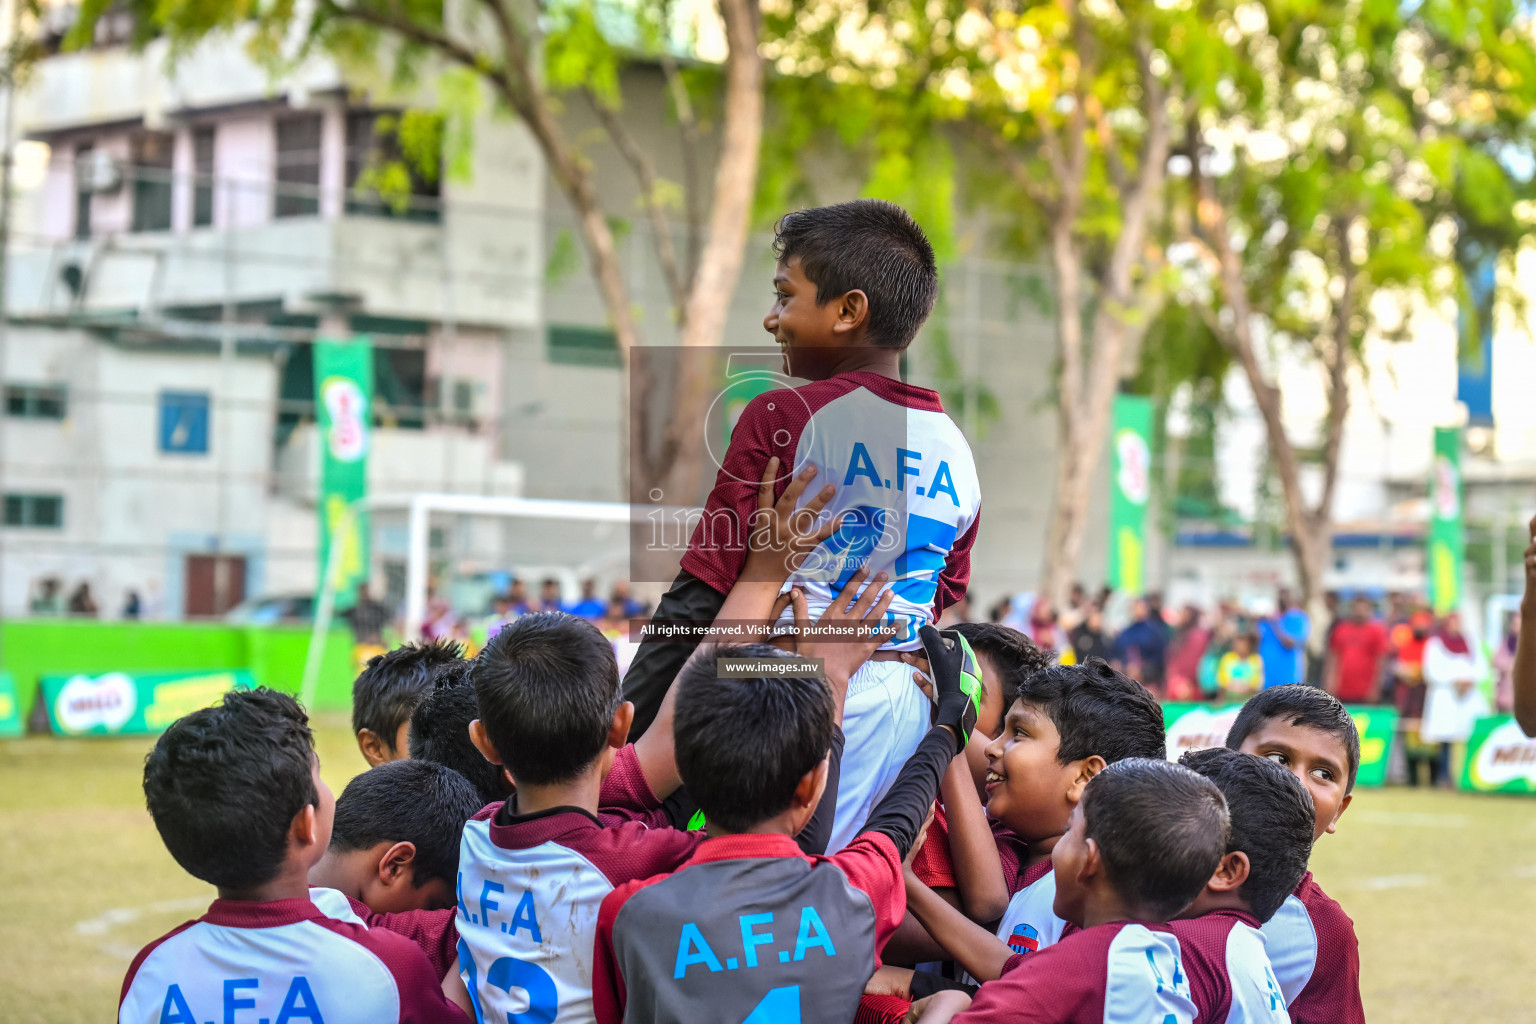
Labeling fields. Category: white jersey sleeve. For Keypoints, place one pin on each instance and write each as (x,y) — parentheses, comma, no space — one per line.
(1145,982)
(1256,994)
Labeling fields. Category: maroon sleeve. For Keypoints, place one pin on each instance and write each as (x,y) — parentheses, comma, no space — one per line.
(881,1010)
(769,425)
(421,992)
(933,865)
(433,931)
(138,961)
(1064,982)
(1332,994)
(873,866)
(608,992)
(633,851)
(626,796)
(956,576)
(1010,850)
(1203,951)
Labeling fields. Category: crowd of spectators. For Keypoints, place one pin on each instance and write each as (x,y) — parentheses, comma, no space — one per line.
(1393,652)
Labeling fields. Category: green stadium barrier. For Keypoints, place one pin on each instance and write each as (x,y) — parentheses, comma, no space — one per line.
(1195,726)
(1500,758)
(11,722)
(31,649)
(125,704)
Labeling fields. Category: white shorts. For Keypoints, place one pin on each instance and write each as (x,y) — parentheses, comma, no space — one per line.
(884,719)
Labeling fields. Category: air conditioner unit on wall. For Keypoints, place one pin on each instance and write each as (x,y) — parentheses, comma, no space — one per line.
(98,172)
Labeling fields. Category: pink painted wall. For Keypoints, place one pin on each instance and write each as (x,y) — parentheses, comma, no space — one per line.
(243,154)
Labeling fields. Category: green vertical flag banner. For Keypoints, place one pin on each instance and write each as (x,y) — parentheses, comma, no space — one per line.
(344,403)
(1447,540)
(1130,492)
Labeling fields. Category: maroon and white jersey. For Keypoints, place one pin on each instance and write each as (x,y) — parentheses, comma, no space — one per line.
(1230,978)
(749,929)
(1316,958)
(281,961)
(1030,923)
(431,930)
(529,891)
(1121,973)
(905,479)
(934,866)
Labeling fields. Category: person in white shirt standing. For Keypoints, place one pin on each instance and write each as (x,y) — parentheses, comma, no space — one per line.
(1454,668)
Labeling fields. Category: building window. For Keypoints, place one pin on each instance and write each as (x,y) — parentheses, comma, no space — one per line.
(83,191)
(202,182)
(151,159)
(184,422)
(36,401)
(44,511)
(298,166)
(372,144)
(582,346)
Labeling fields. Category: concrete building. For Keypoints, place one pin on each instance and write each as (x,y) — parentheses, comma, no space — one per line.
(202,217)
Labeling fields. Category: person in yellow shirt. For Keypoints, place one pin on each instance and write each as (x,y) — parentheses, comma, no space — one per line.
(1240,673)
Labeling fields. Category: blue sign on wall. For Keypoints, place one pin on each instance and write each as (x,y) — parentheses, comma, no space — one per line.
(184,422)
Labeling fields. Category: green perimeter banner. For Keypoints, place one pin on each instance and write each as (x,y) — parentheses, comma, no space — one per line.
(132,703)
(11,723)
(1197,726)
(1130,490)
(1447,542)
(344,404)
(1500,758)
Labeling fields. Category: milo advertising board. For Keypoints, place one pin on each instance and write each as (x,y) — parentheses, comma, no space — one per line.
(1500,758)
(129,703)
(1197,726)
(10,707)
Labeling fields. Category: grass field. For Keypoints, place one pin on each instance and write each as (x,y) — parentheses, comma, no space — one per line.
(1442,887)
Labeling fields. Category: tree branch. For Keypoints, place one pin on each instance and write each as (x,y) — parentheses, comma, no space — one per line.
(1112,162)
(415,31)
(693,200)
(1337,362)
(1027,183)
(645,175)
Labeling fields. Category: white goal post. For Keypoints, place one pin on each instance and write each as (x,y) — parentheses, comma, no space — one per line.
(420,509)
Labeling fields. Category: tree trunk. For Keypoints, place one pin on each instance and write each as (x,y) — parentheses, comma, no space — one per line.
(1311,529)
(714,284)
(1064,533)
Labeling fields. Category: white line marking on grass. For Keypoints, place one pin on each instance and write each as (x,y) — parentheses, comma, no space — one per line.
(109,919)
(1525,871)
(1412,819)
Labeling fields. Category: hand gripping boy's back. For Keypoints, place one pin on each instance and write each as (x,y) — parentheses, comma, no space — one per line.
(854,283)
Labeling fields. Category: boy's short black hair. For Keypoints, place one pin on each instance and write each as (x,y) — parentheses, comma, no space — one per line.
(1015,656)
(1097,711)
(1161,830)
(415,802)
(1272,817)
(440,731)
(1303,705)
(548,687)
(389,687)
(872,246)
(743,744)
(223,785)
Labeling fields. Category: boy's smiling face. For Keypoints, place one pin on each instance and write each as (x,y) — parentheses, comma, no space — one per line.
(1027,788)
(1315,757)
(809,334)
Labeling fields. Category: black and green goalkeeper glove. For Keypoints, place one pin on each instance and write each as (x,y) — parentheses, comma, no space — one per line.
(956,680)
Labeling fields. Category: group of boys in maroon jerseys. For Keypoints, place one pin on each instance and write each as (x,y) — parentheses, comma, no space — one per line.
(681,845)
